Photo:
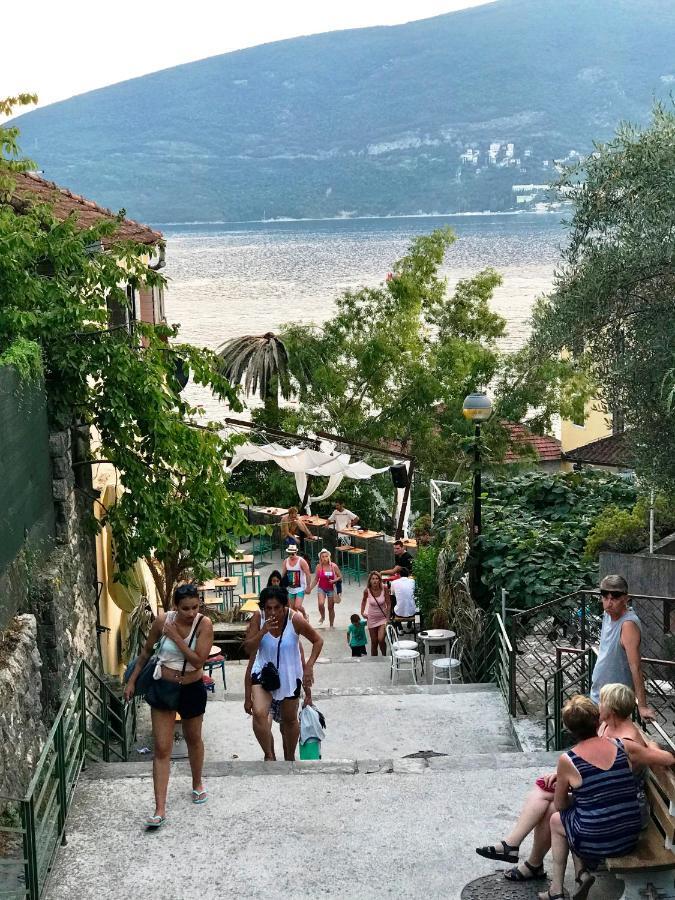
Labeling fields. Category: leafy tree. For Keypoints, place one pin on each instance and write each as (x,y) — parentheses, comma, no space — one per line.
(261,363)
(396,361)
(614,297)
(176,510)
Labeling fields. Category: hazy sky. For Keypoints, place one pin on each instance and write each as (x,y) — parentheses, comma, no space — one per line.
(59,49)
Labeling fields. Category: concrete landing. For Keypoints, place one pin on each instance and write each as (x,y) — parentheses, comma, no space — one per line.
(326,834)
(372,722)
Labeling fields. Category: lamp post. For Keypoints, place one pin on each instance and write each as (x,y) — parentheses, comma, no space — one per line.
(477,408)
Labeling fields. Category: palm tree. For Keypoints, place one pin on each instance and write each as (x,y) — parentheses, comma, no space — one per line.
(261,362)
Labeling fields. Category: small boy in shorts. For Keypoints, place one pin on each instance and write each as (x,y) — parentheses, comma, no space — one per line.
(356,635)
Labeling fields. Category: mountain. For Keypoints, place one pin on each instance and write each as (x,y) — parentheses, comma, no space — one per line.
(443,114)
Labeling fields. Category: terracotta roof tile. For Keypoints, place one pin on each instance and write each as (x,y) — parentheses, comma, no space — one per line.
(31,186)
(614,450)
(547,449)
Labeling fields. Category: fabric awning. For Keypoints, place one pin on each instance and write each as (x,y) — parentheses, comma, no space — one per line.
(302,462)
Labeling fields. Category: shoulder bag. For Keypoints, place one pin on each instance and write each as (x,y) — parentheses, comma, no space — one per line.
(269,674)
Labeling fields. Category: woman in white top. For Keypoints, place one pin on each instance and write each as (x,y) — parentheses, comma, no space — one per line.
(296,578)
(273,635)
(185,638)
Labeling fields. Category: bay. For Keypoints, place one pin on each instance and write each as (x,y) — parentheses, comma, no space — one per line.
(230,280)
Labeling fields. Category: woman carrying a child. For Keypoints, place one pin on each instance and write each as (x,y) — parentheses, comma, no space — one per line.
(326,575)
(375,607)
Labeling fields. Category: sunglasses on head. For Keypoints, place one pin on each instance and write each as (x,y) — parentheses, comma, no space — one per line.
(613,594)
(186,590)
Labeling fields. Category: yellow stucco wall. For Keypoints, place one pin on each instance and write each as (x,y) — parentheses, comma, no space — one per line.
(115,603)
(597,424)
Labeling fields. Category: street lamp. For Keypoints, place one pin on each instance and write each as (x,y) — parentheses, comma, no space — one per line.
(477,408)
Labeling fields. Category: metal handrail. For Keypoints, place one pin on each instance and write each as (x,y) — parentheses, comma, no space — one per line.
(595,592)
(77,733)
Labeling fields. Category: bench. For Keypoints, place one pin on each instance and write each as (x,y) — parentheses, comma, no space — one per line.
(653,860)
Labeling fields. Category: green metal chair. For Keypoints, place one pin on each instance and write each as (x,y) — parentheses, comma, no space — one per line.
(253,578)
(262,546)
(312,549)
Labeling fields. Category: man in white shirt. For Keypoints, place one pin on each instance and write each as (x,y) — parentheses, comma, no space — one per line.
(342,518)
(403,590)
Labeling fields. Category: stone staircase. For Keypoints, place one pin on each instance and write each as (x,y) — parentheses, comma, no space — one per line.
(412,779)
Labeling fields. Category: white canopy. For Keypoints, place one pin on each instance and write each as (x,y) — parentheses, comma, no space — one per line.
(302,462)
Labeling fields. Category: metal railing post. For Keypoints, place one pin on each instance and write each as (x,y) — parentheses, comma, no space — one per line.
(82,684)
(583,621)
(30,865)
(60,745)
(106,724)
(557,708)
(512,682)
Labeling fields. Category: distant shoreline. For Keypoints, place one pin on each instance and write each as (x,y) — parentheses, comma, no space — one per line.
(280,220)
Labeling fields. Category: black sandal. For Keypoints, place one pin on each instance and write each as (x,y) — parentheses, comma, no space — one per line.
(516,875)
(585,884)
(549,896)
(508,854)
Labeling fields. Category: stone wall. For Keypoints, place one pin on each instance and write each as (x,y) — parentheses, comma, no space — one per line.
(55,625)
(23,728)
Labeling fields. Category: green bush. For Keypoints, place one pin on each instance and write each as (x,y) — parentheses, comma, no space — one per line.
(627,531)
(534,531)
(426,579)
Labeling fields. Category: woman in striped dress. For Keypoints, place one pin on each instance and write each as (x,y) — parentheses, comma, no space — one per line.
(596,798)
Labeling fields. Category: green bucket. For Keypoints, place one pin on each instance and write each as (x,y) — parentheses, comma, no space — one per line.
(311,749)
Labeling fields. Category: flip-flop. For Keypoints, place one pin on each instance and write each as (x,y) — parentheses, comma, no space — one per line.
(536,872)
(549,896)
(199,797)
(152,823)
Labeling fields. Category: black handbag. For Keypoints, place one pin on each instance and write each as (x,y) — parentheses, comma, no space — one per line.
(145,676)
(269,674)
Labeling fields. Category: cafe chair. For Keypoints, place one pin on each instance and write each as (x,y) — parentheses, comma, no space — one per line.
(449,664)
(402,658)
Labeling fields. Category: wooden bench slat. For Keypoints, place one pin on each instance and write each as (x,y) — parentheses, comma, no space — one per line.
(666,781)
(649,853)
(659,809)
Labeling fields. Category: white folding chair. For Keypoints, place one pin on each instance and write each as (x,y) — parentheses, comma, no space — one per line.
(449,664)
(402,658)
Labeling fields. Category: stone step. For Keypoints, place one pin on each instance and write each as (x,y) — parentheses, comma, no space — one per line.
(240,768)
(371,723)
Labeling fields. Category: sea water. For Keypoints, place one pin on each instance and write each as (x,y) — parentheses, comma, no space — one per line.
(231,280)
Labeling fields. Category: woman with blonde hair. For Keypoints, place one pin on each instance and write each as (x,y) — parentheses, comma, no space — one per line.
(581,717)
(375,609)
(327,574)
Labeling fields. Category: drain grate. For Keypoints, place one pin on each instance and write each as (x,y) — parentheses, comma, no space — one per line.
(496,886)
(423,754)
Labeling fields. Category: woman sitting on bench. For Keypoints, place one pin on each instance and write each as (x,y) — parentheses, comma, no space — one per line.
(539,812)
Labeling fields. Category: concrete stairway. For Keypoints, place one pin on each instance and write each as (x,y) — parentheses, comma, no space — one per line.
(412,779)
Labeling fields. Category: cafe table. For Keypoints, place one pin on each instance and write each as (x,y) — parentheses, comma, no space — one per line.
(437,642)
(223,586)
(363,534)
(237,564)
